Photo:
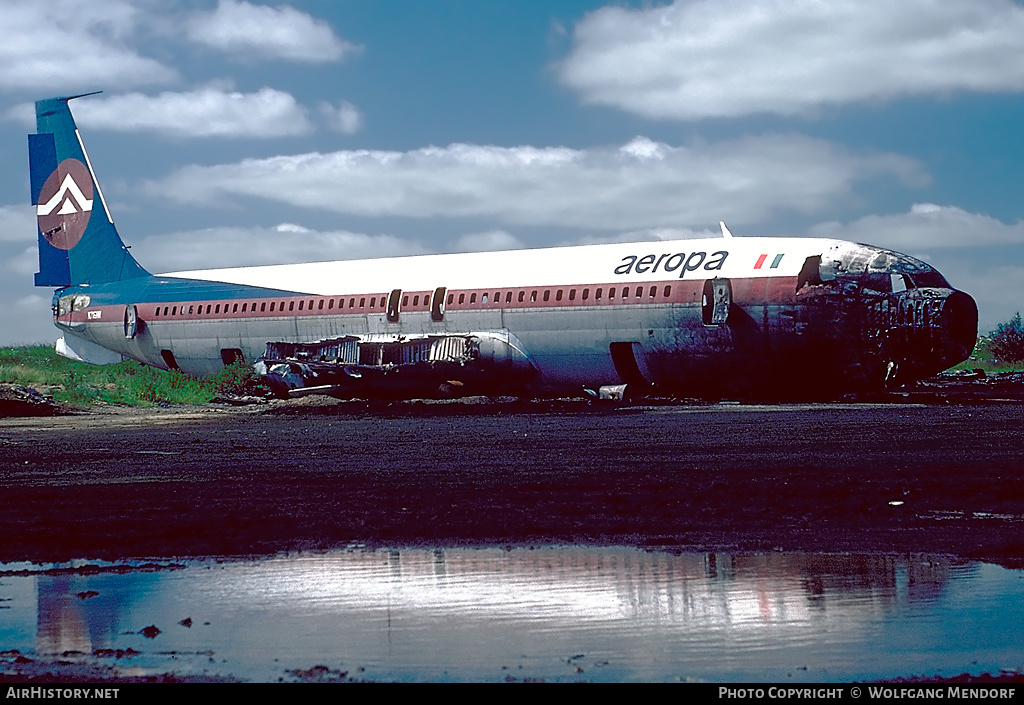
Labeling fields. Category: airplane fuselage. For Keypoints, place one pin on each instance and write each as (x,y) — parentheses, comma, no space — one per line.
(729,317)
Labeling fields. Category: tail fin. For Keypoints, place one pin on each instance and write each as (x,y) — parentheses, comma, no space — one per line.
(78,243)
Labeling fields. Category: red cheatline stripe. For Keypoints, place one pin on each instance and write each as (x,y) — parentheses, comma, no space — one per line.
(760,261)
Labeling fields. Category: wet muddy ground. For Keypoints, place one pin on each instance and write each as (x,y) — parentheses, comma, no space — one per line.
(256,481)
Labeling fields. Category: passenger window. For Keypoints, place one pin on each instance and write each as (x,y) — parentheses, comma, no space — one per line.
(207,309)
(330,304)
(597,294)
(533,296)
(572,294)
(611,293)
(415,300)
(668,290)
(508,297)
(311,304)
(300,305)
(654,291)
(451,298)
(362,302)
(405,300)
(174,310)
(218,309)
(472,299)
(320,305)
(462,298)
(558,295)
(586,294)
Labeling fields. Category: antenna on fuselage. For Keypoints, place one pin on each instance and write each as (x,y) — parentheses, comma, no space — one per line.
(725,230)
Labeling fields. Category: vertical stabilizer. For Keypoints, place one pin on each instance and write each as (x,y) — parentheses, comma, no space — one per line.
(78,243)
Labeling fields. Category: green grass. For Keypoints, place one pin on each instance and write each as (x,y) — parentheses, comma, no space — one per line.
(128,383)
(983,359)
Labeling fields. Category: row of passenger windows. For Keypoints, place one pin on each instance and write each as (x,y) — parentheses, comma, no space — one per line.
(265,307)
(560,294)
(379,301)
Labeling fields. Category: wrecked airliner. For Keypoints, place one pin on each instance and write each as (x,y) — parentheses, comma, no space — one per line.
(764,318)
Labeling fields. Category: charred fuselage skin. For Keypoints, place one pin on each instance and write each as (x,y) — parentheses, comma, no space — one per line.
(858,320)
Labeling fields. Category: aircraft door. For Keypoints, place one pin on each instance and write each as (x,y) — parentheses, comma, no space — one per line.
(630,365)
(131,321)
(394,305)
(716,302)
(437,304)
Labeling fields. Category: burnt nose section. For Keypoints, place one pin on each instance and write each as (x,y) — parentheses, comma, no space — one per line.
(960,323)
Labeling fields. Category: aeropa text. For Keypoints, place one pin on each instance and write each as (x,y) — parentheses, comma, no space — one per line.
(671,262)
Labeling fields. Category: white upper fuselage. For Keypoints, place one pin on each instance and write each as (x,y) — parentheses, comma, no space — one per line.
(587,264)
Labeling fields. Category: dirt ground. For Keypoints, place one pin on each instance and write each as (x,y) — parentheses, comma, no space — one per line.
(219,481)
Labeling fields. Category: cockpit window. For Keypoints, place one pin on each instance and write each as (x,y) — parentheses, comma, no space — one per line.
(878,281)
(930,280)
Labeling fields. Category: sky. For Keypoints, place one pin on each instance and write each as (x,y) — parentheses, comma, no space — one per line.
(233,133)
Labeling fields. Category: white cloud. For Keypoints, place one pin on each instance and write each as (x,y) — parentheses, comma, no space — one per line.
(205,112)
(345,118)
(18,223)
(27,320)
(24,262)
(998,291)
(487,242)
(260,31)
(724,58)
(287,243)
(640,185)
(924,227)
(73,45)
(645,235)
(33,302)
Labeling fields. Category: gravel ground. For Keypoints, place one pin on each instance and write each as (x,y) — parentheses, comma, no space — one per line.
(221,481)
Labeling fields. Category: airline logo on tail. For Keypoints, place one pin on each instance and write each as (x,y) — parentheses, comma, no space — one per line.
(65,204)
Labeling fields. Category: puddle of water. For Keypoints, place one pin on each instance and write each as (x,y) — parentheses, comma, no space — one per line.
(560,613)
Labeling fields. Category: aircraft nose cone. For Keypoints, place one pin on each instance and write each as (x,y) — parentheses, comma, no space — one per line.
(960,322)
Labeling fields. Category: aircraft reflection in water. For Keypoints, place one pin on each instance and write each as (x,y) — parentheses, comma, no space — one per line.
(481,614)
(743,317)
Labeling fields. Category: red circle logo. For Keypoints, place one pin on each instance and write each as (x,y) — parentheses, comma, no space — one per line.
(65,204)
